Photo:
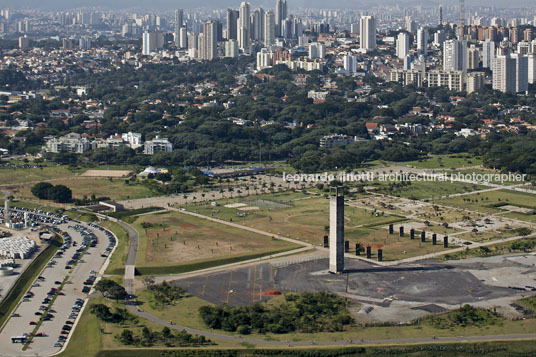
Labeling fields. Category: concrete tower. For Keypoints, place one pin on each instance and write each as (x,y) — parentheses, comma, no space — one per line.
(336,230)
(7,216)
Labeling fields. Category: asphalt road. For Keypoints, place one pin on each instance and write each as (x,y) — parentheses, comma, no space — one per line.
(355,341)
(131,258)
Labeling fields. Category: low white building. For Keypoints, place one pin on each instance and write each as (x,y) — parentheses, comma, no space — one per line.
(133,139)
(71,142)
(157,145)
(330,141)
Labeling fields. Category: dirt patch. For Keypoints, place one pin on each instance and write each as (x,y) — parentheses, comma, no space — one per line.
(106,173)
(248,208)
(375,245)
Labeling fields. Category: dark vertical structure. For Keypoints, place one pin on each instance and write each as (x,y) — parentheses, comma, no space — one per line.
(232,24)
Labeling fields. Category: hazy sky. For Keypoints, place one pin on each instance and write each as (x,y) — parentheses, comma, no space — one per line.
(169,4)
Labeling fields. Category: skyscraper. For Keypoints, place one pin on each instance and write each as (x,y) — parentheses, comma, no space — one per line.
(258,18)
(368,33)
(402,45)
(473,58)
(269,28)
(439,37)
(210,36)
(317,50)
(531,64)
(522,72)
(244,26)
(152,41)
(178,24)
(231,48)
(280,15)
(183,38)
(440,15)
(455,55)
(504,74)
(350,63)
(422,41)
(232,22)
(488,53)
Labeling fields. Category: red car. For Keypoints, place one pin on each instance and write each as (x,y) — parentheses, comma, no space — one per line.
(33,323)
(40,334)
(61,293)
(63,332)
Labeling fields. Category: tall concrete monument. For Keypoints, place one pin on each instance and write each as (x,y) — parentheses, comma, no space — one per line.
(7,214)
(336,230)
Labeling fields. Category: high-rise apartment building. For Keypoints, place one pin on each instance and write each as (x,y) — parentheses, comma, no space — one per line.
(152,41)
(280,15)
(179,15)
(244,26)
(232,24)
(231,48)
(455,55)
(402,45)
(210,40)
(473,58)
(368,33)
(422,41)
(488,53)
(269,28)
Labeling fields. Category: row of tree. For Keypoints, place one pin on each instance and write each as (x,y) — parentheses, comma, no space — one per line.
(305,312)
(57,193)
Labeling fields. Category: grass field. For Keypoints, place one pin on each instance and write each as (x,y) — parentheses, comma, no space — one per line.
(306,218)
(80,215)
(174,239)
(492,250)
(31,205)
(119,258)
(10,175)
(419,190)
(116,189)
(445,162)
(488,202)
(393,247)
(185,312)
(489,172)
(495,348)
(488,235)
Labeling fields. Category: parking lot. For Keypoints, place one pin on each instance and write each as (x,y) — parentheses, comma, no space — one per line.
(57,296)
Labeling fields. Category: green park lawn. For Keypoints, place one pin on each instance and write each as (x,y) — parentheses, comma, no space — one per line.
(116,189)
(175,242)
(185,312)
(445,162)
(488,202)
